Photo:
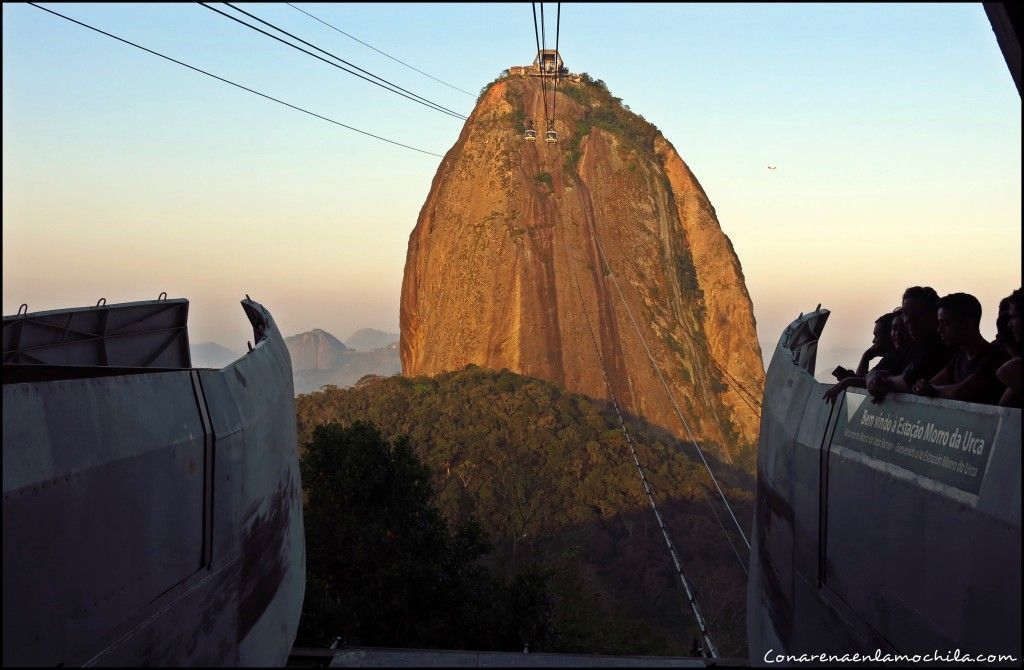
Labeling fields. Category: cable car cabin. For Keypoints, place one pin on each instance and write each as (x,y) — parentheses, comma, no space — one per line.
(531,135)
(550,135)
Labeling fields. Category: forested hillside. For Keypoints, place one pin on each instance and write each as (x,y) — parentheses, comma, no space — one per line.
(548,475)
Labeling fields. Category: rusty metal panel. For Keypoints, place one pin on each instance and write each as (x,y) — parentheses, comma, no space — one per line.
(150,333)
(273,537)
(102,506)
(206,586)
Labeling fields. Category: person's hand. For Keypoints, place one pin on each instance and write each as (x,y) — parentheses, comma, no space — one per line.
(835,391)
(878,386)
(923,387)
(875,383)
(874,351)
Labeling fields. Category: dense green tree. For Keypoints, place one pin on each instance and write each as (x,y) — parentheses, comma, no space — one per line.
(550,478)
(383,567)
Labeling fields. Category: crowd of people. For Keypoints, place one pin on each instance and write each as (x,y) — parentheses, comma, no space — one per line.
(933,347)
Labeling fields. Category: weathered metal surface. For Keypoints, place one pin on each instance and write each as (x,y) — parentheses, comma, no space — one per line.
(155,519)
(861,540)
(152,333)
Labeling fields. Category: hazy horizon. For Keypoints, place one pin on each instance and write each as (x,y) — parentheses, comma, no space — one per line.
(894,128)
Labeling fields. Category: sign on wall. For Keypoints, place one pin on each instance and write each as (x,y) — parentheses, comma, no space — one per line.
(946,444)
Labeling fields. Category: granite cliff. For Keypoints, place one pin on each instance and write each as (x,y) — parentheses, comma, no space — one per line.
(547,259)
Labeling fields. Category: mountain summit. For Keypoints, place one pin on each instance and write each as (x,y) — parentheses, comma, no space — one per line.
(315,350)
(602,250)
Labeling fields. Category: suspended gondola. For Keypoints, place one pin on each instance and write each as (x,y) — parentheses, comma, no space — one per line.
(550,135)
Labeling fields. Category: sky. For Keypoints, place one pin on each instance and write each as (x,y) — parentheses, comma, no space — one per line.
(895,130)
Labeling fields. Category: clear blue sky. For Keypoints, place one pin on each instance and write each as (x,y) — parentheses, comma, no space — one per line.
(895,129)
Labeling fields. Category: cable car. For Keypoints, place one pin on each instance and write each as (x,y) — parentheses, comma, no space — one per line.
(531,134)
(550,135)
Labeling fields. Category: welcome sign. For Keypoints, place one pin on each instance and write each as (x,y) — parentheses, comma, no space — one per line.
(944,443)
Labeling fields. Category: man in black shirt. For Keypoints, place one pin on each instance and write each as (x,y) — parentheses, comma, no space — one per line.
(928,354)
(970,374)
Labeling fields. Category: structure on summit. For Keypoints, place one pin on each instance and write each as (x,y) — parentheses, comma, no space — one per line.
(548,63)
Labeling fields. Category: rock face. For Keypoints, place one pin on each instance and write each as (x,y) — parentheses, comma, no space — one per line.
(315,350)
(600,252)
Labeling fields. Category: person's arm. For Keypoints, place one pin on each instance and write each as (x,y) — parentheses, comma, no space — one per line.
(874,351)
(929,388)
(836,390)
(1010,376)
(882,382)
(970,389)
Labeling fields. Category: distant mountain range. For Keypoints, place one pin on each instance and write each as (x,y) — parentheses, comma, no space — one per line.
(368,339)
(319,358)
(315,350)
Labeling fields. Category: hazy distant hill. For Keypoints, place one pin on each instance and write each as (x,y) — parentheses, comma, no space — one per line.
(319,358)
(212,355)
(367,339)
(315,350)
(549,476)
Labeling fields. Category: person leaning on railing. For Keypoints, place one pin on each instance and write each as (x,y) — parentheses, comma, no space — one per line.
(890,341)
(970,375)
(928,353)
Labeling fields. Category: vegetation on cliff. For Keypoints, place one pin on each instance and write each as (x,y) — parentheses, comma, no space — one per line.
(547,476)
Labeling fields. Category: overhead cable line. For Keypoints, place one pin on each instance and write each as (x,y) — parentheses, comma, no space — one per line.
(227,81)
(388,87)
(643,478)
(558,58)
(739,388)
(748,399)
(540,59)
(342,60)
(383,53)
(668,391)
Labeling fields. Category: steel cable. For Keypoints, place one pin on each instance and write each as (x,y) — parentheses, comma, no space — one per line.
(668,391)
(228,81)
(383,53)
(643,478)
(428,104)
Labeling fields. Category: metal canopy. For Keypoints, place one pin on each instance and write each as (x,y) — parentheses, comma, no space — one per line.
(145,334)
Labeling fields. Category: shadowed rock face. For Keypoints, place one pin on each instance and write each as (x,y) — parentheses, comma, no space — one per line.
(541,258)
(315,350)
